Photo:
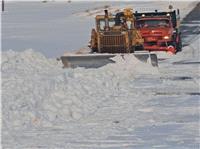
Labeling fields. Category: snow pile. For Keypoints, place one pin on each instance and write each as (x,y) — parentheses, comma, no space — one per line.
(26,62)
(190,50)
(113,8)
(38,92)
(129,65)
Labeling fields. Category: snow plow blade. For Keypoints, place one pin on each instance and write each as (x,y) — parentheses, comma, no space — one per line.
(99,60)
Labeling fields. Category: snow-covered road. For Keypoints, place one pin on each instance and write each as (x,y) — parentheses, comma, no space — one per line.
(125,105)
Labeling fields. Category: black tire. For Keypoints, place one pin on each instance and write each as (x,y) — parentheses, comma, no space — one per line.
(132,49)
(179,45)
(139,48)
(94,50)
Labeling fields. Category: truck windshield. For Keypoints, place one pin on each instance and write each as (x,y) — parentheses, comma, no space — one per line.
(152,23)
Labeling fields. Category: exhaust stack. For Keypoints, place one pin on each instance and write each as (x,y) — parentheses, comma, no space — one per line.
(106,20)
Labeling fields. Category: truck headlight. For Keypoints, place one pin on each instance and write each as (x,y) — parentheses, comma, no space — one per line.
(166,37)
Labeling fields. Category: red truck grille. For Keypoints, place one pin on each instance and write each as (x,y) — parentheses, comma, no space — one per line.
(157,33)
(152,38)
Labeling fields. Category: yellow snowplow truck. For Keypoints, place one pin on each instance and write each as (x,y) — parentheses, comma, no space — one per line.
(114,35)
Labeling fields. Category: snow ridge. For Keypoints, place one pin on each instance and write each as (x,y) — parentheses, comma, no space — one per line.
(38,92)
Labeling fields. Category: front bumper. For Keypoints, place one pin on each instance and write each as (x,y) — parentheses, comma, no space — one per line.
(160,45)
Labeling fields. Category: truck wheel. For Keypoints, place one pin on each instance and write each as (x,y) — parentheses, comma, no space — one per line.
(139,48)
(94,50)
(178,44)
(132,49)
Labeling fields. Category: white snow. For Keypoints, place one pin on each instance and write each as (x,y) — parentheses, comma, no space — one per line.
(185,7)
(53,28)
(44,92)
(92,106)
(128,104)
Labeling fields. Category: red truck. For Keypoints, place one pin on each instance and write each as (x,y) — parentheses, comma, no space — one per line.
(160,30)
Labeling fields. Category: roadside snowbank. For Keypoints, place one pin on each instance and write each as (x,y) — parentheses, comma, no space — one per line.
(185,7)
(38,92)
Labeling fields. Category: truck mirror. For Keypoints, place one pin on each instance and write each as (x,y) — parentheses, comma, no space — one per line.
(178,11)
(170,7)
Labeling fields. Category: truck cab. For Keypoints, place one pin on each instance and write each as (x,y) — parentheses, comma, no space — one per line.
(160,31)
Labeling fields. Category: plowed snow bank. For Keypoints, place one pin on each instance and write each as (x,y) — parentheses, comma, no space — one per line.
(38,92)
